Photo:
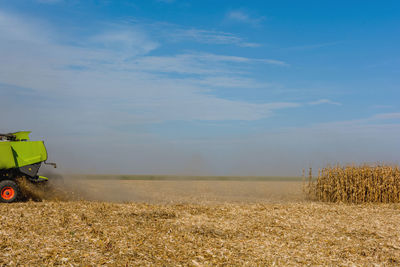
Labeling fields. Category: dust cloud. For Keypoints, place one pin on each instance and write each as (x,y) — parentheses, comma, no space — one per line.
(112,189)
(182,188)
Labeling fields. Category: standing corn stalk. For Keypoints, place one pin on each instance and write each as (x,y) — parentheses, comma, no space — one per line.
(356,184)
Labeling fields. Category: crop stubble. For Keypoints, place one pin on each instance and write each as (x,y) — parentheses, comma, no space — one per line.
(93,233)
(200,230)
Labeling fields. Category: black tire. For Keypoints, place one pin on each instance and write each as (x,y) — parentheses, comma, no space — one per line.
(9,191)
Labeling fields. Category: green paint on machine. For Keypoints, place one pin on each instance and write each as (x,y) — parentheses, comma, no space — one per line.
(20,157)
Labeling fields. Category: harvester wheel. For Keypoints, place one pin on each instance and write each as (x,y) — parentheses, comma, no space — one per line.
(9,191)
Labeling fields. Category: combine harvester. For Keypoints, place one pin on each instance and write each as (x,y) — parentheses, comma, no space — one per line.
(19,158)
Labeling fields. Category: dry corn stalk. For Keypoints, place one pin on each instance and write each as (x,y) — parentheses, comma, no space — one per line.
(356,184)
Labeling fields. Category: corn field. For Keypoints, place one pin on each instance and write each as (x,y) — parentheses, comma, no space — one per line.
(355,184)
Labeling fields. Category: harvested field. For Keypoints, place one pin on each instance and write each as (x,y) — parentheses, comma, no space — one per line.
(196,223)
(96,233)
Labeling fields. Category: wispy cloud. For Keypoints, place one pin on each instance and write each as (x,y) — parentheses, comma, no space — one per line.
(324,101)
(210,37)
(197,63)
(375,121)
(172,33)
(49,1)
(243,17)
(119,83)
(386,116)
(382,106)
(22,29)
(109,80)
(127,40)
(114,66)
(313,46)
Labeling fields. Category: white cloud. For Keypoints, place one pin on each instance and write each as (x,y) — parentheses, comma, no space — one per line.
(166,1)
(114,67)
(382,106)
(243,17)
(95,103)
(228,81)
(172,33)
(313,46)
(86,93)
(49,1)
(17,29)
(127,40)
(373,123)
(324,101)
(210,37)
(196,63)
(387,116)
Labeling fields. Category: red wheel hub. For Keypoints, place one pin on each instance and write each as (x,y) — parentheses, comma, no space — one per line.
(7,193)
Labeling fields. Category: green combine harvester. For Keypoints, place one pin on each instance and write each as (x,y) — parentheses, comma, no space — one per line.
(19,158)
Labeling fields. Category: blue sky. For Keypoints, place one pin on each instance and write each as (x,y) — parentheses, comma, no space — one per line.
(203,87)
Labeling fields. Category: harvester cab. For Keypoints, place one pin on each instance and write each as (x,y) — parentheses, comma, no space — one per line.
(19,158)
